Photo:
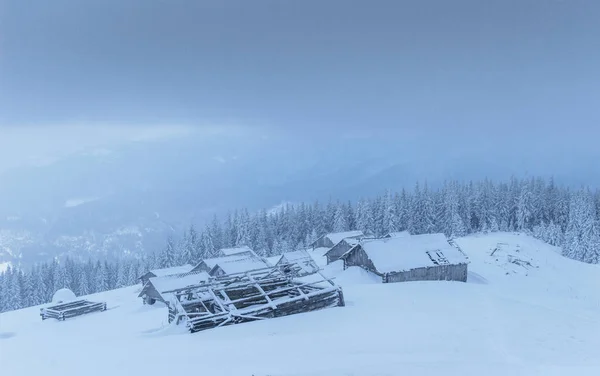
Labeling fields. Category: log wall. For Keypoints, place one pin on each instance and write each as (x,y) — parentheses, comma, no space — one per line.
(432,273)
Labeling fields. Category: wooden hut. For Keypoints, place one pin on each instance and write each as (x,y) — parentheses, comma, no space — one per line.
(329,240)
(410,258)
(297,263)
(164,272)
(340,248)
(155,288)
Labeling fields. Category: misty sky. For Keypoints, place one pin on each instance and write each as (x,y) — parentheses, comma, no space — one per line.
(446,69)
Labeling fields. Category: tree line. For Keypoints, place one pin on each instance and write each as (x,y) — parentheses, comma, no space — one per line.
(556,214)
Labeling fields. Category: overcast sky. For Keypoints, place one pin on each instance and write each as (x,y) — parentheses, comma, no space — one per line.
(448,69)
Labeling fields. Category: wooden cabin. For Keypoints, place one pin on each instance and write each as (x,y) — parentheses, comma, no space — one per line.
(329,240)
(164,272)
(299,263)
(340,248)
(426,257)
(157,288)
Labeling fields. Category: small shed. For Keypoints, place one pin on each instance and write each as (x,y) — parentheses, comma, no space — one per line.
(164,272)
(157,287)
(329,240)
(298,263)
(244,250)
(426,257)
(340,248)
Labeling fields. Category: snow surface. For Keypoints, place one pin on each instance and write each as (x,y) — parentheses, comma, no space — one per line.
(410,252)
(63,295)
(172,271)
(509,319)
(336,237)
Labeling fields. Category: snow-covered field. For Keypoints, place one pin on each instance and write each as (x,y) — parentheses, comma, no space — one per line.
(525,311)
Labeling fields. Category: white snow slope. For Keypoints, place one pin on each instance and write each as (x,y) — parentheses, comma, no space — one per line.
(542,319)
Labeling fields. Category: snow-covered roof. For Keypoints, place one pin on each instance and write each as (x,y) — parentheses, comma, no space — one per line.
(336,237)
(301,259)
(351,241)
(170,283)
(235,251)
(410,252)
(232,264)
(172,271)
(398,234)
(296,255)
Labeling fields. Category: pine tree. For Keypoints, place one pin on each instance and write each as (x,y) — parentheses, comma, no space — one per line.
(122,275)
(103,278)
(216,234)
(134,273)
(28,289)
(390,216)
(209,247)
(188,250)
(403,210)
(83,288)
(167,256)
(60,278)
(5,290)
(453,225)
(524,207)
(377,210)
(243,226)
(329,216)
(364,217)
(39,289)
(194,242)
(340,220)
(14,290)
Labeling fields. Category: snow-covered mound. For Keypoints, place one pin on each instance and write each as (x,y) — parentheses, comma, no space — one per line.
(63,295)
(509,319)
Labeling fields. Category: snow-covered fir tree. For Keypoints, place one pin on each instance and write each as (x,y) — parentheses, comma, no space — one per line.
(167,256)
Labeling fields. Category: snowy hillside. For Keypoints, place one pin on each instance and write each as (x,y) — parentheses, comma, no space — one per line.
(526,310)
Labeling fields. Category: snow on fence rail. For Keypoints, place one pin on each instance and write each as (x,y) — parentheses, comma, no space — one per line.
(71,309)
(249,296)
